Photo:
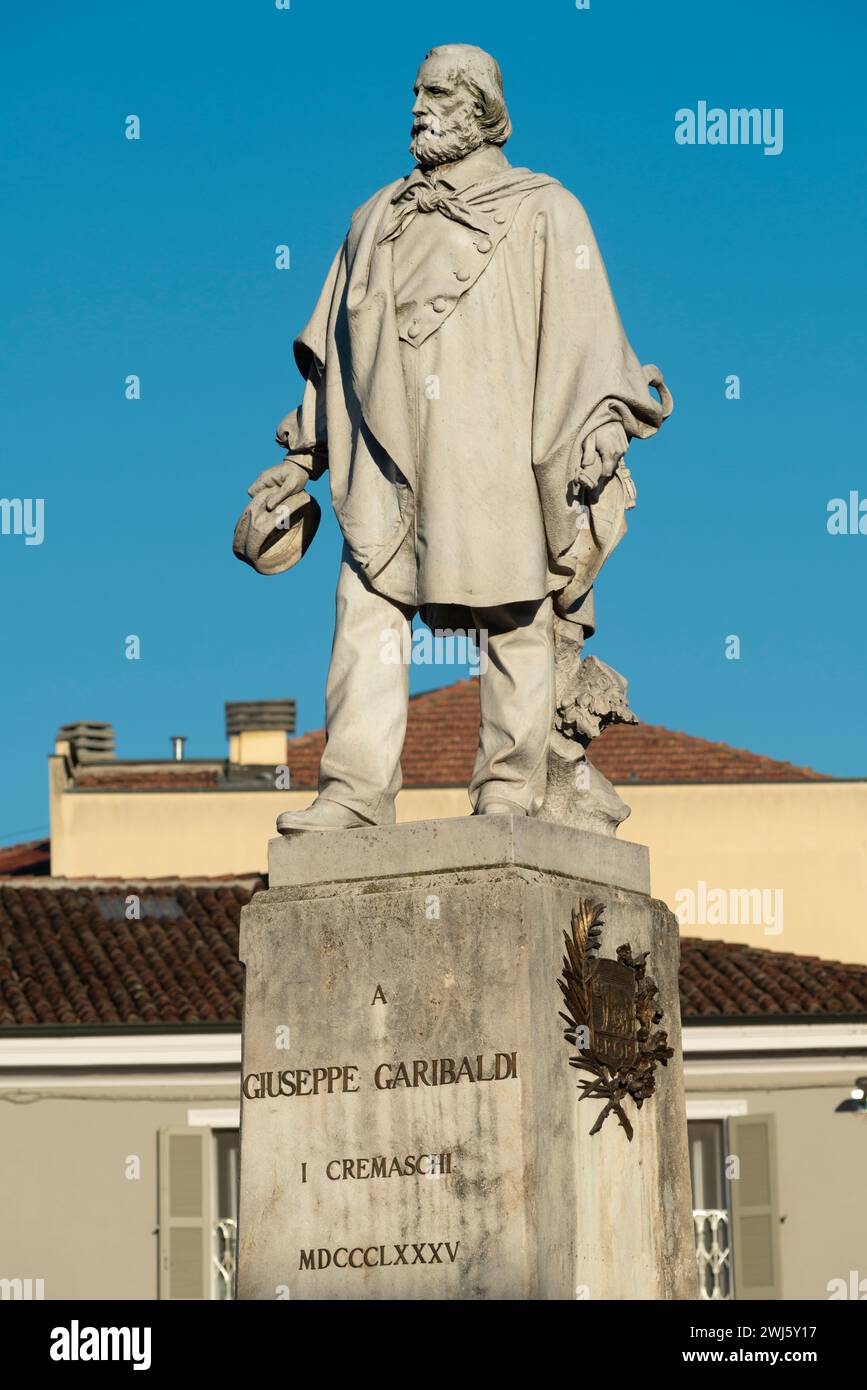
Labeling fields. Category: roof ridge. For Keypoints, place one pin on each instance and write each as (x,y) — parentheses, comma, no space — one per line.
(699,942)
(729,747)
(646,752)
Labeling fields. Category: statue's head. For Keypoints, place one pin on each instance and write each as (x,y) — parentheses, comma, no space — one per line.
(459,105)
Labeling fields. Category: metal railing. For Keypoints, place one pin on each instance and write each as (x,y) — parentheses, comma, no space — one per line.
(714,1255)
(225,1257)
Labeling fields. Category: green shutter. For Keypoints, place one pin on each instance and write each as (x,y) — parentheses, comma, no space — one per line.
(185,1265)
(755,1212)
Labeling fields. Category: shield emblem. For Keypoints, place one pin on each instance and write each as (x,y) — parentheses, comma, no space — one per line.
(613,1022)
(615,1001)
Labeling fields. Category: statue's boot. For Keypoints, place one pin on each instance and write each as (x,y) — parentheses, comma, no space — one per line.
(324,814)
(494,806)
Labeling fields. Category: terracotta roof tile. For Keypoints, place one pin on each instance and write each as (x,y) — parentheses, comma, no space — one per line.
(721,979)
(31,858)
(71,956)
(151,780)
(68,955)
(442,735)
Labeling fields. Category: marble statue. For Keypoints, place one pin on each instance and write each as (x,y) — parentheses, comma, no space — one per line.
(470,389)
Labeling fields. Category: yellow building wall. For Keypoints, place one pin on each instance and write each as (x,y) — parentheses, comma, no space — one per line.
(806,842)
(194,834)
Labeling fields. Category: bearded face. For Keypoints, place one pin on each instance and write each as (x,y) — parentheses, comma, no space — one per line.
(445,123)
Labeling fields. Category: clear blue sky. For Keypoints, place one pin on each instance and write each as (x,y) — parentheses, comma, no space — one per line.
(261,126)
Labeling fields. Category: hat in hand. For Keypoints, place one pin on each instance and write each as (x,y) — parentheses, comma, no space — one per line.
(275,541)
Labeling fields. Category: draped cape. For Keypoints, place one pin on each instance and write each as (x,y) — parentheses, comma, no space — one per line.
(533,253)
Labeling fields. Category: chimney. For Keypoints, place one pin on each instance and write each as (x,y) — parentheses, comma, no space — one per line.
(257,731)
(86,741)
(177,741)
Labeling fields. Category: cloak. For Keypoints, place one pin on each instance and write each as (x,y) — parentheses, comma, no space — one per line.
(464,345)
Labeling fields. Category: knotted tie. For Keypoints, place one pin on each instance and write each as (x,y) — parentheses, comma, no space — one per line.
(422,196)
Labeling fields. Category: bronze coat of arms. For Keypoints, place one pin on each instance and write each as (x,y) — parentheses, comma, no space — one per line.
(612,1016)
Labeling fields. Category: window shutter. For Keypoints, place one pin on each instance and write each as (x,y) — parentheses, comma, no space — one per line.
(755,1212)
(185,1181)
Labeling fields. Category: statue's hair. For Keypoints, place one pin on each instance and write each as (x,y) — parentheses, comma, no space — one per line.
(480,74)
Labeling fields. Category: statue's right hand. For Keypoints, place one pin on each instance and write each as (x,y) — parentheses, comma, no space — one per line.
(284,480)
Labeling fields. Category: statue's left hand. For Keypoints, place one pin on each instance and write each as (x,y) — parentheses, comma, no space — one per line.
(601,453)
(284,480)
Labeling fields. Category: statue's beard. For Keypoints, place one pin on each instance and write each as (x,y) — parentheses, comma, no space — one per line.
(434,143)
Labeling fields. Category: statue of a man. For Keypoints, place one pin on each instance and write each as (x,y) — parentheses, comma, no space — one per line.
(472,393)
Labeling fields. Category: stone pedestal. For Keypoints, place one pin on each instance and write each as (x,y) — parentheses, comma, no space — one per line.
(411,1125)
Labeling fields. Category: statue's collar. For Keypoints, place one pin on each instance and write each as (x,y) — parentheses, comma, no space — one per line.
(483,163)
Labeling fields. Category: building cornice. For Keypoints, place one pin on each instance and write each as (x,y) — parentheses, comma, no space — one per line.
(72,1049)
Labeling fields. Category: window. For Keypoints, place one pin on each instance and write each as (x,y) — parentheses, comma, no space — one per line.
(735,1211)
(227,1162)
(198,1210)
(711,1208)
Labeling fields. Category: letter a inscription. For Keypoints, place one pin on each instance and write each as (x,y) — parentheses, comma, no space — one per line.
(378,997)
